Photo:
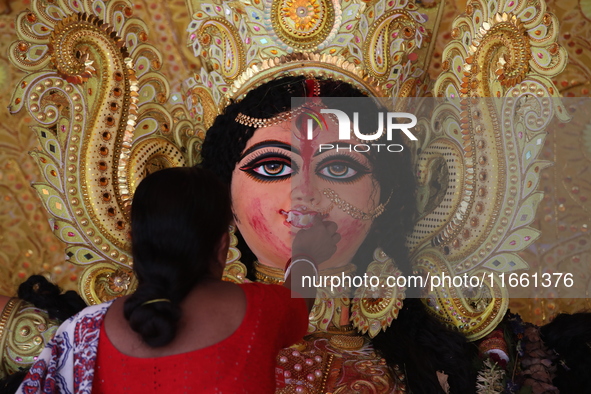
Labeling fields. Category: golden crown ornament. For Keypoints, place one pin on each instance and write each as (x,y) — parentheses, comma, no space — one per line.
(380,47)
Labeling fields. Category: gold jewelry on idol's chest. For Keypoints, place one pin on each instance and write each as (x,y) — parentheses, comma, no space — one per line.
(265,274)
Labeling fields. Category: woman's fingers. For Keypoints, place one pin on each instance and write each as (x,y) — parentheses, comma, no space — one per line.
(330,226)
(336,237)
(318,242)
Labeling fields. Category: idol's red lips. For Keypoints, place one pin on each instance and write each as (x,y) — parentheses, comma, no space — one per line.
(300,217)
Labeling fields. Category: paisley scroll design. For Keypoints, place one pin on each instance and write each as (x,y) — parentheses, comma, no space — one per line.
(373,45)
(390,43)
(95,90)
(187,133)
(486,136)
(218,36)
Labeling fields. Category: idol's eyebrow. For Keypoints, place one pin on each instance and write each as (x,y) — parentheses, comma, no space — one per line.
(269,144)
(346,146)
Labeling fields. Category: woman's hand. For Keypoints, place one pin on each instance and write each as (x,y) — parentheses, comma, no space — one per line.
(310,247)
(317,243)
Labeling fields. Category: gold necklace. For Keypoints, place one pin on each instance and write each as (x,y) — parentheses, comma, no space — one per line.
(270,275)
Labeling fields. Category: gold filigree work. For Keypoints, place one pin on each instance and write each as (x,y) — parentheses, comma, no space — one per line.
(270,275)
(24,332)
(311,38)
(375,308)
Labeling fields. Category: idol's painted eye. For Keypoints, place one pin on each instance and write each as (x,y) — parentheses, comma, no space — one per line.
(273,169)
(270,166)
(338,171)
(341,169)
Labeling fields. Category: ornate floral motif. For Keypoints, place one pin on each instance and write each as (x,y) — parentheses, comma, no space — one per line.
(303,24)
(67,364)
(119,281)
(319,364)
(27,245)
(304,14)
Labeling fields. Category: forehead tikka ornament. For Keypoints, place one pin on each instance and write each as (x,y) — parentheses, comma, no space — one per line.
(312,89)
(353,211)
(280,118)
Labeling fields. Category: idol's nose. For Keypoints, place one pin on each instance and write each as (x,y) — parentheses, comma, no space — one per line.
(305,190)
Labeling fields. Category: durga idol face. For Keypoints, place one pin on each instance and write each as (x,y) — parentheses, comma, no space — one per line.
(283,180)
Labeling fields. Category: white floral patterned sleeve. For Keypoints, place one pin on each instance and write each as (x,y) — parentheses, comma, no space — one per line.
(66,365)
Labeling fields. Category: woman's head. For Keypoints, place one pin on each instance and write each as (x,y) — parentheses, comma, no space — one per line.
(179,220)
(279,179)
(178,217)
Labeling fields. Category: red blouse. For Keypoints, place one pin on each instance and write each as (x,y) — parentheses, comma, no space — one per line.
(242,363)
